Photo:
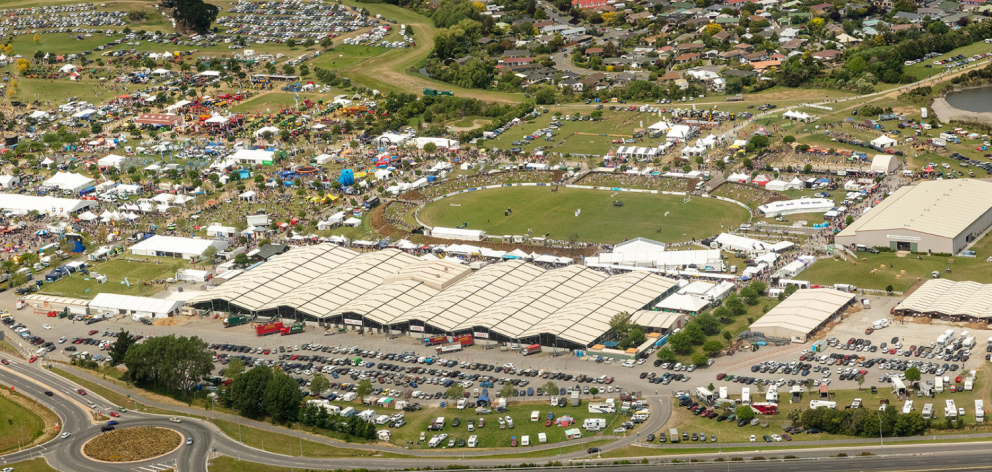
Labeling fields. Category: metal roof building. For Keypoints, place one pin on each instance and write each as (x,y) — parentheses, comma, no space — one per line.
(802,313)
(950,300)
(395,291)
(939,216)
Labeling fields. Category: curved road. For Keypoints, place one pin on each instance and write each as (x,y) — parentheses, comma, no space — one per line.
(208,440)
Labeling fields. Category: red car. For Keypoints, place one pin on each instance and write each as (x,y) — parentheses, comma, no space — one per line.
(32,359)
(721,376)
(93,331)
(81,391)
(4,362)
(115,414)
(547,424)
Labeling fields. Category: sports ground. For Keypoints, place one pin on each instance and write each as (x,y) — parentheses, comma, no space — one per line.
(665,218)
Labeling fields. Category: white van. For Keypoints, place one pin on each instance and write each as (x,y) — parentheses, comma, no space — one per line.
(525,441)
(535,416)
(473,441)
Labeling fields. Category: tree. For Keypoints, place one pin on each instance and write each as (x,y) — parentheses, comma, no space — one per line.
(744,412)
(319,384)
(241,259)
(620,323)
(910,424)
(789,139)
(327,43)
(726,335)
(861,381)
(594,391)
(550,388)
(708,323)
(700,360)
(247,391)
(712,347)
(430,148)
(364,388)
(291,43)
(210,253)
(695,334)
(507,391)
(734,305)
(794,416)
(118,350)
(234,368)
(196,15)
(666,354)
(175,363)
(36,38)
(680,343)
(913,374)
(455,391)
(282,396)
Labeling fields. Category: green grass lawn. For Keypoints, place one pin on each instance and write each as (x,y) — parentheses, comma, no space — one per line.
(660,217)
(116,270)
(18,423)
(231,464)
(33,465)
(830,271)
(284,443)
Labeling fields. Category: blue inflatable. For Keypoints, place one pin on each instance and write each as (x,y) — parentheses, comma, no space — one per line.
(347,177)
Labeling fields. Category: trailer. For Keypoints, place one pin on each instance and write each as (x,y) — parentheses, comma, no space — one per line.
(435,340)
(235,320)
(292,329)
(765,408)
(269,328)
(673,435)
(532,349)
(452,347)
(928,411)
(979,411)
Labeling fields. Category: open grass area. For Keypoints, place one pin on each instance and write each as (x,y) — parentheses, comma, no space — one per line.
(289,445)
(660,217)
(137,273)
(902,272)
(22,421)
(921,71)
(33,465)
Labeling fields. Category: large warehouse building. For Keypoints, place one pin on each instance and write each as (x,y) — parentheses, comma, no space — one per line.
(802,313)
(940,216)
(950,301)
(397,292)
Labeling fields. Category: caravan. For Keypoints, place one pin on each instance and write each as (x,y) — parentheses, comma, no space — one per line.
(594,424)
(822,404)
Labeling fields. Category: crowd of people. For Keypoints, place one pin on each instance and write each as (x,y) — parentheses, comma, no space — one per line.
(638,181)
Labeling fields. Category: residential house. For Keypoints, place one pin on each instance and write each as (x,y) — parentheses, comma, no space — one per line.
(762,66)
(745,47)
(587,4)
(571,33)
(827,55)
(905,27)
(594,51)
(788,34)
(847,40)
(516,53)
(739,73)
(731,54)
(669,77)
(792,45)
(754,57)
(624,79)
(515,61)
(597,81)
(644,15)
(484,40)
(689,47)
(968,4)
(821,8)
(574,84)
(905,15)
(934,13)
(722,36)
(687,58)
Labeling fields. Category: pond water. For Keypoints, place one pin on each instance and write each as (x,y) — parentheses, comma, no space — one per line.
(978,100)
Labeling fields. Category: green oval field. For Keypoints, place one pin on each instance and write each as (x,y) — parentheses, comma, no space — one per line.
(665,218)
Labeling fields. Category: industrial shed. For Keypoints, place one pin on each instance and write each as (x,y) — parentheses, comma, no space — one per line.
(392,291)
(135,307)
(940,216)
(949,300)
(802,313)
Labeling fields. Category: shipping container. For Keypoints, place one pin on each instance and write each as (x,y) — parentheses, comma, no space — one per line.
(235,320)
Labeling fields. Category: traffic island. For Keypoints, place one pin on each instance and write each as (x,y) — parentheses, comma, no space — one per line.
(132,444)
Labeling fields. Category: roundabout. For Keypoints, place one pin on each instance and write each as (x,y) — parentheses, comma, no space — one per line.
(597,216)
(132,444)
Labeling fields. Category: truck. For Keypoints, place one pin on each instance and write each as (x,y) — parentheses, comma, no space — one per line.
(765,408)
(968,342)
(269,328)
(292,329)
(464,339)
(435,340)
(532,349)
(452,347)
(235,320)
(938,384)
(822,404)
(673,434)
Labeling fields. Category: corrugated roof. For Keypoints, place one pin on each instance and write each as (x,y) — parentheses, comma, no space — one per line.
(941,207)
(804,310)
(946,297)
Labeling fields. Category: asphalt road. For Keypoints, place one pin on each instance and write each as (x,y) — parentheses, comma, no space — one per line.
(65,454)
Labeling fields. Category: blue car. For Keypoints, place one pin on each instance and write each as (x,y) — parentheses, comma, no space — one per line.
(561,391)
(112,422)
(413,384)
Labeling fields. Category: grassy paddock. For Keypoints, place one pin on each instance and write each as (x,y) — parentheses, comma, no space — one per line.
(660,217)
(22,419)
(116,270)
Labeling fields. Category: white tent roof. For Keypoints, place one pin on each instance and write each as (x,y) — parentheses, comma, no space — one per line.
(68,181)
(87,216)
(115,303)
